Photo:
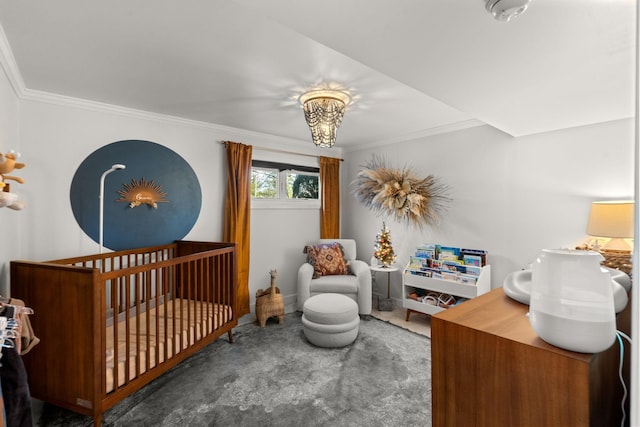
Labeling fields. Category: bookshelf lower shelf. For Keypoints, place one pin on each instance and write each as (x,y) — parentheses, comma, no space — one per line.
(411,282)
(421,307)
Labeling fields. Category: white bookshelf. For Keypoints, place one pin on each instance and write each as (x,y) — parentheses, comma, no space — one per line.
(456,289)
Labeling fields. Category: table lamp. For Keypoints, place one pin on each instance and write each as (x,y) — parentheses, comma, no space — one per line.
(613,220)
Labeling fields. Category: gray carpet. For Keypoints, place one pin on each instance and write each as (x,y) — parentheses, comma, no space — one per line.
(273,376)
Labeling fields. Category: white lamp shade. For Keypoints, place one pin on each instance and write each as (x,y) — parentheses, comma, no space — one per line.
(612,219)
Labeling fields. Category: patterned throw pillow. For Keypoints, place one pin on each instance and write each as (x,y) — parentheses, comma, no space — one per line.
(327,259)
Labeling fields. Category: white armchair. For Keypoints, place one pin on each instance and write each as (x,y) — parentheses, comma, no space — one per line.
(356,285)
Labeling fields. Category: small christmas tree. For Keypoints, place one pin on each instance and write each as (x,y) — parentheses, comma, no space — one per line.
(383,249)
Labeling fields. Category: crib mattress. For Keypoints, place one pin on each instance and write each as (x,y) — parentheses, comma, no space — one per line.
(156,335)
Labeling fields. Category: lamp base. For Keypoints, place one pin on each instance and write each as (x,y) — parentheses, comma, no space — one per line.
(617,244)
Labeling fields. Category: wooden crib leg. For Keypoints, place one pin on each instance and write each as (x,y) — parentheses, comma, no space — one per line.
(97,420)
(230,334)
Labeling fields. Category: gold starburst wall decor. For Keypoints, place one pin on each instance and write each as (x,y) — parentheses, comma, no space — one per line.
(143,192)
(401,194)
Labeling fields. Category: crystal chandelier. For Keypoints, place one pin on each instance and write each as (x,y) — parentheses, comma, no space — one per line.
(323,110)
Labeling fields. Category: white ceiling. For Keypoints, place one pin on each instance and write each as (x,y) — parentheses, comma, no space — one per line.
(414,67)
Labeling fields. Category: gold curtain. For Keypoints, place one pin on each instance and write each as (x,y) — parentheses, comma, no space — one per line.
(330,210)
(237,214)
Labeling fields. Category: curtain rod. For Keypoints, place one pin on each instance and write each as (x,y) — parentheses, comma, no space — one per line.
(283,151)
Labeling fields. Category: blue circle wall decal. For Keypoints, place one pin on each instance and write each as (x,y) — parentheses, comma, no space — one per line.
(125,227)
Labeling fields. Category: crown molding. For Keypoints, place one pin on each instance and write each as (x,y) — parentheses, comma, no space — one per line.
(12,71)
(10,66)
(438,130)
(225,132)
(84,104)
(263,140)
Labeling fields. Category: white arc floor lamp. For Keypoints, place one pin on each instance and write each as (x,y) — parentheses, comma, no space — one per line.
(113,168)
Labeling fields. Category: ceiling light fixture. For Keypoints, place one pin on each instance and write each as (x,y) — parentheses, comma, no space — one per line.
(323,110)
(505,10)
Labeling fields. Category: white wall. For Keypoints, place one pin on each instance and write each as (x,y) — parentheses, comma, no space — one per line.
(278,235)
(277,239)
(511,196)
(55,137)
(9,140)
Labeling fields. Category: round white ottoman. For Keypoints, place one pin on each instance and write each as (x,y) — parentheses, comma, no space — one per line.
(330,320)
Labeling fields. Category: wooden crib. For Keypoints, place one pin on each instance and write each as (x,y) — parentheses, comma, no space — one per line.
(110,323)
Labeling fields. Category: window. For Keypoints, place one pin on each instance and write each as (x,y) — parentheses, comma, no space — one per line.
(264,183)
(302,185)
(284,185)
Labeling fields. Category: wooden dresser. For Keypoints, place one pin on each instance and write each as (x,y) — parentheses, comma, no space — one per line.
(489,368)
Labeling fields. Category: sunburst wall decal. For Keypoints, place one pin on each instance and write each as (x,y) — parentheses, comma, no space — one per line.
(400,193)
(143,192)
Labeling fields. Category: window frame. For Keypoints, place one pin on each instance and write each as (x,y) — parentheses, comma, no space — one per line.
(283,201)
(278,186)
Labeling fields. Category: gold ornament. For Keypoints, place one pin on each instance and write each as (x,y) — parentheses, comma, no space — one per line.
(143,192)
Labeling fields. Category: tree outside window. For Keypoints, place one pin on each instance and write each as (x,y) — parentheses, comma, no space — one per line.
(284,182)
(264,183)
(302,186)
